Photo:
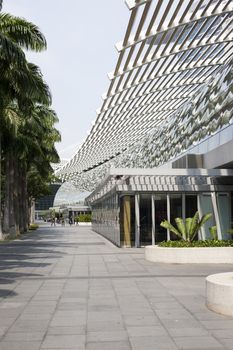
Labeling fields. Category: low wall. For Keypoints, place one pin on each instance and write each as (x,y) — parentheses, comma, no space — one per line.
(219,293)
(202,255)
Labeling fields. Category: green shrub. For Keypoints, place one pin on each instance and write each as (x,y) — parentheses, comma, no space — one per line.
(187,229)
(33,227)
(83,218)
(207,243)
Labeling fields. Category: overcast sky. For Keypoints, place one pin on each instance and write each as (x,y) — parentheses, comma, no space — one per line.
(81,36)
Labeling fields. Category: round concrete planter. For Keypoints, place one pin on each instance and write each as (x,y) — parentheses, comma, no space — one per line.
(219,292)
(209,255)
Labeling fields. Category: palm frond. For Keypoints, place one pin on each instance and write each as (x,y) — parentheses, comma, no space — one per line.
(170,227)
(203,220)
(194,226)
(181,227)
(26,34)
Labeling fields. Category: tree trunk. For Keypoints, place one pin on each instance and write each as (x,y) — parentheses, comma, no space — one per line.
(9,210)
(15,165)
(1,233)
(24,198)
(21,200)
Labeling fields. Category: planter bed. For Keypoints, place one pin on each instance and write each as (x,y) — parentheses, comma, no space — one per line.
(197,255)
(219,293)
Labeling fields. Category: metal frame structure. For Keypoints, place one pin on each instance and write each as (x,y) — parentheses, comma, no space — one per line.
(171,49)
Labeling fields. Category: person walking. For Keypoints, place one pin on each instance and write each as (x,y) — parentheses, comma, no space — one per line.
(53,222)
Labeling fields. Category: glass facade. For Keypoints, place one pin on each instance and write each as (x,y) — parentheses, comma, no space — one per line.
(160,201)
(145,219)
(105,218)
(116,216)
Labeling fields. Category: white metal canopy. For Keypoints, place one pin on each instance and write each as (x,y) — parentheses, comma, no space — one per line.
(171,48)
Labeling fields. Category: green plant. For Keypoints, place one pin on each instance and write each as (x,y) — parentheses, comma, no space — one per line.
(207,243)
(213,232)
(83,218)
(188,228)
(33,227)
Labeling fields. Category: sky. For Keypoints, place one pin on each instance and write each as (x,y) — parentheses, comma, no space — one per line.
(81,38)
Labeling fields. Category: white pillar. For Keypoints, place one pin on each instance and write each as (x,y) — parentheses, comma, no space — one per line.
(201,232)
(215,208)
(137,220)
(168,216)
(153,218)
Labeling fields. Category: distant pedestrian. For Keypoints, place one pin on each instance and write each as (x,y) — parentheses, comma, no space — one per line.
(53,222)
(70,221)
(76,221)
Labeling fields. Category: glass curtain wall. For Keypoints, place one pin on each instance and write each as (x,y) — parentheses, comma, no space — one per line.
(115,219)
(160,215)
(127,220)
(224,210)
(206,207)
(145,219)
(175,211)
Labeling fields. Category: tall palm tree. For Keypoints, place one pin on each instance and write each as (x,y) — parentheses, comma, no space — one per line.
(28,156)
(19,81)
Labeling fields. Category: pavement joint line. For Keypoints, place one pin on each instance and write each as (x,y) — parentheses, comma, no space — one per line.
(101,277)
(194,316)
(118,303)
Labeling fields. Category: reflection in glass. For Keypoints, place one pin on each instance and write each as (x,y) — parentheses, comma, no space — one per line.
(175,211)
(190,205)
(145,219)
(160,215)
(207,207)
(224,210)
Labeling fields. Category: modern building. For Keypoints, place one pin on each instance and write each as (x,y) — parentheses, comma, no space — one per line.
(167,120)
(43,204)
(130,204)
(68,212)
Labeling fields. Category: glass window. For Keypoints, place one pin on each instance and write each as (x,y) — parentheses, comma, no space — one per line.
(131,222)
(207,207)
(145,219)
(175,211)
(224,211)
(190,205)
(160,215)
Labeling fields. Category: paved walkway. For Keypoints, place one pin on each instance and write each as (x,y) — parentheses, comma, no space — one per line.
(69,288)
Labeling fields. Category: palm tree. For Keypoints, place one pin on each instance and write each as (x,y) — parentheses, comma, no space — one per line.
(20,82)
(27,157)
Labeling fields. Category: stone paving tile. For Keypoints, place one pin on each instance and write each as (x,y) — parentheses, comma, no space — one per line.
(67,292)
(188,332)
(66,330)
(24,336)
(206,342)
(218,324)
(140,320)
(152,343)
(109,336)
(11,345)
(227,343)
(146,331)
(109,345)
(64,341)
